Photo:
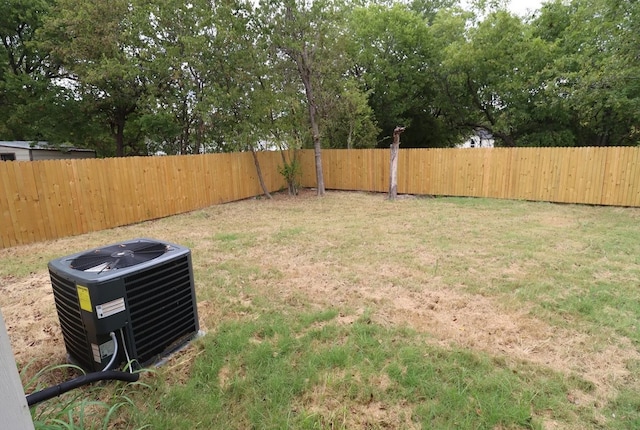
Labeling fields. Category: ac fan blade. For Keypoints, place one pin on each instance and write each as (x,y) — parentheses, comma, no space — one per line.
(118,256)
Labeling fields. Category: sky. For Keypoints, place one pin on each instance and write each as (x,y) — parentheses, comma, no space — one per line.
(520,7)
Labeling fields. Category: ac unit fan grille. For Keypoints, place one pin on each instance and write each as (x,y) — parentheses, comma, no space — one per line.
(118,256)
(152,296)
(75,339)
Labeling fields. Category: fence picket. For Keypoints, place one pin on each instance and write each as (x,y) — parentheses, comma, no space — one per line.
(50,199)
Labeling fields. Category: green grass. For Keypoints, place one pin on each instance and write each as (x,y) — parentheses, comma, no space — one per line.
(351,311)
(284,371)
(92,408)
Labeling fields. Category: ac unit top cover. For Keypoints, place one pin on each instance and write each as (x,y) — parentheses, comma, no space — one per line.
(113,261)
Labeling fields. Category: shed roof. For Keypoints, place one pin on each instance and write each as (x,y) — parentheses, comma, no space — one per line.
(41,145)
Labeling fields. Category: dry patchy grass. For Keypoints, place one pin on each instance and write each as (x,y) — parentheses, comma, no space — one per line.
(490,276)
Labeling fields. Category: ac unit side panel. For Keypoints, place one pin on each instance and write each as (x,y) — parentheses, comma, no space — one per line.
(71,322)
(101,305)
(83,334)
(108,310)
(163,310)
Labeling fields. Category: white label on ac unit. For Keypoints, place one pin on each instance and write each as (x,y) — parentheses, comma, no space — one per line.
(110,308)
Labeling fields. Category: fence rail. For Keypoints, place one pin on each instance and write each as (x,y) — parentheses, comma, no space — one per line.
(44,200)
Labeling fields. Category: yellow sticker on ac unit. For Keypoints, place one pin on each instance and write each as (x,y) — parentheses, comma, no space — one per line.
(84,298)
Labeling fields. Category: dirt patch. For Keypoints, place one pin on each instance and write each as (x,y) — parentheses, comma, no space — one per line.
(32,322)
(333,411)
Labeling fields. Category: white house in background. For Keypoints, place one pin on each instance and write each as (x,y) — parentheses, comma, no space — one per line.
(20,150)
(482,139)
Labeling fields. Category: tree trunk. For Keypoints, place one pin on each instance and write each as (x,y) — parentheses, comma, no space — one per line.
(186,126)
(393,167)
(118,134)
(315,134)
(507,139)
(350,135)
(319,175)
(259,171)
(302,62)
(117,120)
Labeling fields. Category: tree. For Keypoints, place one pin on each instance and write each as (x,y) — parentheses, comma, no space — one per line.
(492,79)
(97,45)
(347,118)
(32,107)
(248,99)
(396,60)
(304,34)
(594,73)
(178,39)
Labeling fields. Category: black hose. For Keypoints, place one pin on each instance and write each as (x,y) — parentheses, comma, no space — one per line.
(107,375)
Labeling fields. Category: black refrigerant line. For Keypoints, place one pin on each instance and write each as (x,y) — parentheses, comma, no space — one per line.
(107,375)
(104,375)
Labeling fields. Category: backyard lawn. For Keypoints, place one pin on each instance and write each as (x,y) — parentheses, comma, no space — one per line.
(354,312)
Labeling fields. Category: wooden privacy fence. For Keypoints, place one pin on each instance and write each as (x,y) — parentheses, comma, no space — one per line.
(43,200)
(601,176)
(50,199)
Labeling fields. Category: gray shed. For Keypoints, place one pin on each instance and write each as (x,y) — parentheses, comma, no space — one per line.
(19,150)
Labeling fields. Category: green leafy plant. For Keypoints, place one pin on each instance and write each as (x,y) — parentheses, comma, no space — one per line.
(291,171)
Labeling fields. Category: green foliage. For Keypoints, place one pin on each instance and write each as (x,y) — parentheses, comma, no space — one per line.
(591,77)
(32,105)
(496,72)
(348,119)
(397,69)
(95,45)
(291,171)
(141,77)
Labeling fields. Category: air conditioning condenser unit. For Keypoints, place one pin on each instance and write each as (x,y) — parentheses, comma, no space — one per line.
(134,299)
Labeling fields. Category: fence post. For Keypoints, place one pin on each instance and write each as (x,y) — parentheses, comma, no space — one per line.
(393,168)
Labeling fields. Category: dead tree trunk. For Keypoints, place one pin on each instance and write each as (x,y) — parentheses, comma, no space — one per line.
(393,168)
